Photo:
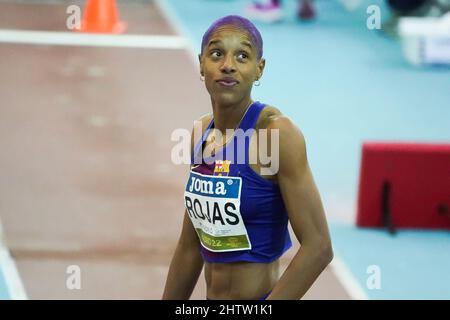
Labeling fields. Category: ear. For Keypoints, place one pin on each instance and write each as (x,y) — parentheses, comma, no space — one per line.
(201,65)
(260,68)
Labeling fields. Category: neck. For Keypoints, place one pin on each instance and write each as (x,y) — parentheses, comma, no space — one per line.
(229,116)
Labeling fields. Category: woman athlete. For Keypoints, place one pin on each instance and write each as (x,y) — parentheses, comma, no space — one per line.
(238,204)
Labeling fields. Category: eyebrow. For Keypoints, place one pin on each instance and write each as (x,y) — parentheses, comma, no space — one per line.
(245,43)
(213,42)
(248,44)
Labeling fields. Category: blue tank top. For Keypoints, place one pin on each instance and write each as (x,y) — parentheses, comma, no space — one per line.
(238,215)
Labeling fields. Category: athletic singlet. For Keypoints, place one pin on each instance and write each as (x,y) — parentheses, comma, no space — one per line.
(237,214)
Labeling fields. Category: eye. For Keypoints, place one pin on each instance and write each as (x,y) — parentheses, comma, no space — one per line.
(242,56)
(215,53)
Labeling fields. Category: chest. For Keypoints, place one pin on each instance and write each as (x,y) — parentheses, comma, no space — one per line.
(261,153)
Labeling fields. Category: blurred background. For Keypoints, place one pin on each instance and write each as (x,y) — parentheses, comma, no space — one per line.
(90,92)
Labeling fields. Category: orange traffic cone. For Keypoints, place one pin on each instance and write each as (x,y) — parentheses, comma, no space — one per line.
(101,16)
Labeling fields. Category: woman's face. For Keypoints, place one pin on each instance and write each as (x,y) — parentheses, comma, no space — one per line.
(230,65)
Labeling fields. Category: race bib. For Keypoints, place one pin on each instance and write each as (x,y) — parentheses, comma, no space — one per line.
(213,204)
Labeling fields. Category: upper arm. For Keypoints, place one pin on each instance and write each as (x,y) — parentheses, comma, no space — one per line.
(299,191)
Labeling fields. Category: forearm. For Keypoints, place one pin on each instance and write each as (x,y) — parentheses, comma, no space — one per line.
(184,271)
(304,269)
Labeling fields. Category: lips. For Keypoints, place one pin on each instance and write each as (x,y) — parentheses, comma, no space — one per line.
(227,82)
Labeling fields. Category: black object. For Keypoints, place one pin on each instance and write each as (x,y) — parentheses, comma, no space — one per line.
(405,6)
(443,209)
(385,208)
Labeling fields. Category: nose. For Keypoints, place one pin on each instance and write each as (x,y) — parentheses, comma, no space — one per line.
(228,64)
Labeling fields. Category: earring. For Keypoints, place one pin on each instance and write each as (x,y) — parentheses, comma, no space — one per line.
(257,83)
(202,78)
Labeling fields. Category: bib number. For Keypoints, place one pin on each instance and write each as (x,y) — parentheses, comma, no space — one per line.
(213,205)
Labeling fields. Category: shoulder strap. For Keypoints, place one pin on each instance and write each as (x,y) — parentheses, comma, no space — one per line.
(251,116)
(247,123)
(196,156)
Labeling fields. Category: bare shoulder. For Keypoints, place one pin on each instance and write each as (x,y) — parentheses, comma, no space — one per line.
(292,144)
(272,118)
(206,118)
(268,114)
(203,121)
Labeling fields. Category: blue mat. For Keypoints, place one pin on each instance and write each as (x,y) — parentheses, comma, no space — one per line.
(413,264)
(4,293)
